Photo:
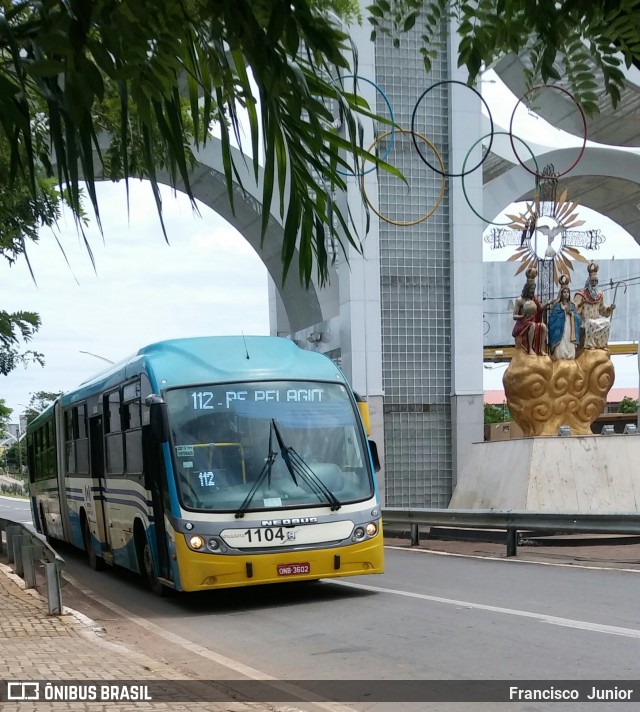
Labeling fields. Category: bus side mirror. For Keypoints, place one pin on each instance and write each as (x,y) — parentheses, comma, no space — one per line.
(158,417)
(374,455)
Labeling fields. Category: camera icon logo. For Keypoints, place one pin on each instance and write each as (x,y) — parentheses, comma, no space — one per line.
(22,691)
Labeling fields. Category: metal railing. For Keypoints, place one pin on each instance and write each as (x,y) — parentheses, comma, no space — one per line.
(511,522)
(29,552)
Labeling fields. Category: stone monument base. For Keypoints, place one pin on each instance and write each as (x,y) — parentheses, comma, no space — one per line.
(584,474)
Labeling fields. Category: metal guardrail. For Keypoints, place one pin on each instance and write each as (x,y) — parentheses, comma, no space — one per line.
(511,522)
(26,550)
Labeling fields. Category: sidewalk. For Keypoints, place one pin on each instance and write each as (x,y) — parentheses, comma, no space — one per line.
(37,646)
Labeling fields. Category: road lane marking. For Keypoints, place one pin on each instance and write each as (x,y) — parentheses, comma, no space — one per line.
(543,618)
(235,665)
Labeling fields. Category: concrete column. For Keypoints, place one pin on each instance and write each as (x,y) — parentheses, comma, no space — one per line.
(466,127)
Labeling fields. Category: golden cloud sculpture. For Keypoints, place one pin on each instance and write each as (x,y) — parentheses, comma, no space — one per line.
(543,394)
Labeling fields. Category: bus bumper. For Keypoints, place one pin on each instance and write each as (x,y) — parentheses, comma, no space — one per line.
(204,571)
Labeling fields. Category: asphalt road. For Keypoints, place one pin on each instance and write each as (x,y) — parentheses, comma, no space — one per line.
(428,617)
(16,509)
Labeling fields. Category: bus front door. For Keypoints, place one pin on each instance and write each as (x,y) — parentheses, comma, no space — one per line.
(156,483)
(95,504)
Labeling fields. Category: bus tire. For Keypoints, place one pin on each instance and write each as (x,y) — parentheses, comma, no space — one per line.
(95,562)
(145,563)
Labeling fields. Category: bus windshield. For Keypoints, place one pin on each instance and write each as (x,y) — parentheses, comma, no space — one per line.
(228,438)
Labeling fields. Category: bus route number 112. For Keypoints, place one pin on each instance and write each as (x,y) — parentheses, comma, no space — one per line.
(202,400)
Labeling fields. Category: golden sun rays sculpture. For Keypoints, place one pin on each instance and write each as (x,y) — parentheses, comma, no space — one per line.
(563,217)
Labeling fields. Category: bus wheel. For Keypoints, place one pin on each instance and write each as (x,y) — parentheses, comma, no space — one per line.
(149,573)
(95,562)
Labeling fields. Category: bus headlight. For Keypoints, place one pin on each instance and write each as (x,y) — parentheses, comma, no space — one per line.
(196,542)
(213,544)
(372,529)
(358,533)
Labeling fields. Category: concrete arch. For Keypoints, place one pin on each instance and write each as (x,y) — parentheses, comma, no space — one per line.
(302,306)
(613,127)
(606,180)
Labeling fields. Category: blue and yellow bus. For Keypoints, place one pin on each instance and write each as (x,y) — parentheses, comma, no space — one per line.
(211,462)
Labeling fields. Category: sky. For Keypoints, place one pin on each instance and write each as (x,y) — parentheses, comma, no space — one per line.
(207,281)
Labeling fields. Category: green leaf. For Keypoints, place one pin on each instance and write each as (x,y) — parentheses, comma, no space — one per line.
(45,68)
(410,21)
(376,11)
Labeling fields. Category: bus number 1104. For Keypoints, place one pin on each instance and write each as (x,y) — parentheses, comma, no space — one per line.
(260,535)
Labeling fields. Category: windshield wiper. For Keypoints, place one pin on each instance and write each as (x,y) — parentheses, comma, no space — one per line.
(265,474)
(297,466)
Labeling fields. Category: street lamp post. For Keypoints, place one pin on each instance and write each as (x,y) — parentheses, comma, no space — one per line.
(28,409)
(31,407)
(102,358)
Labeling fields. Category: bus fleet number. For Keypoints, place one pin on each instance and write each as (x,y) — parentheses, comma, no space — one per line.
(260,535)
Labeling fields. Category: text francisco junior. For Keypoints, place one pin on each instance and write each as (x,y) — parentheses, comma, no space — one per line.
(566,693)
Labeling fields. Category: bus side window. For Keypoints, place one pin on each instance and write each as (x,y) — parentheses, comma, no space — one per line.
(113,435)
(133,438)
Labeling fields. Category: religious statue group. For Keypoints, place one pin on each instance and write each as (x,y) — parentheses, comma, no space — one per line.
(584,322)
(561,371)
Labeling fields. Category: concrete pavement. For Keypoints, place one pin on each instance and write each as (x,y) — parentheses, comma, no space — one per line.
(37,646)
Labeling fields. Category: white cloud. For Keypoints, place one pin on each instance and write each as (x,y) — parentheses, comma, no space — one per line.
(208,281)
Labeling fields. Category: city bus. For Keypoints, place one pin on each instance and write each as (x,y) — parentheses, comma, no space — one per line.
(211,462)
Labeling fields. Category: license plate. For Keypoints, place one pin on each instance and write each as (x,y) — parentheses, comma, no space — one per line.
(293,569)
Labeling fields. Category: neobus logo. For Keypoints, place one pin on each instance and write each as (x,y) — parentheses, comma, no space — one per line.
(288,522)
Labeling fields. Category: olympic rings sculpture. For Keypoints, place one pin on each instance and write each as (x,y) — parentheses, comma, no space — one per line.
(415,135)
(584,125)
(464,163)
(413,127)
(357,77)
(407,223)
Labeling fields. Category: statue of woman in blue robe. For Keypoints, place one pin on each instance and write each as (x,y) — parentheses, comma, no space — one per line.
(563,326)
